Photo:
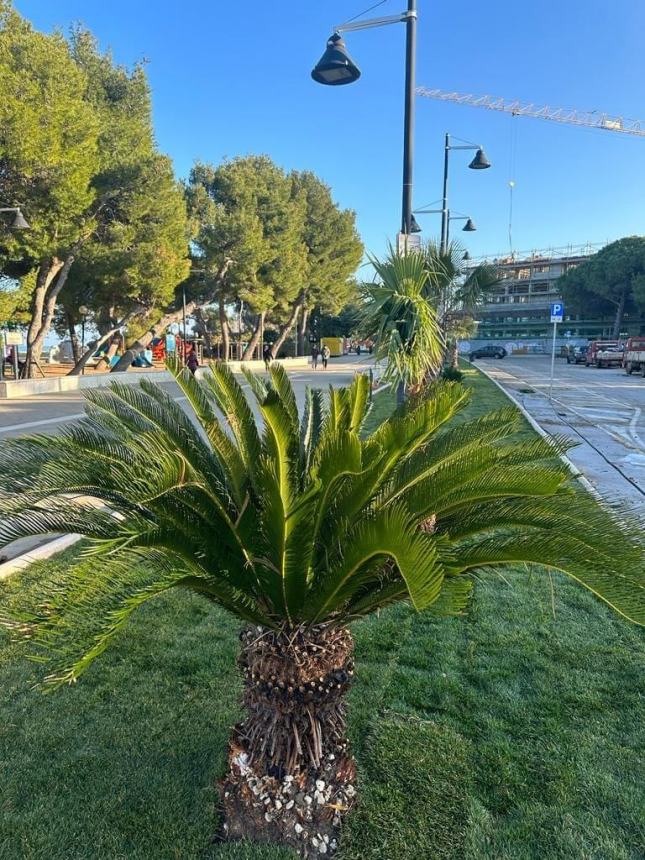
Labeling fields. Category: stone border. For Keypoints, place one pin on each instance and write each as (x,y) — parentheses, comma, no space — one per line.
(45,550)
(12,389)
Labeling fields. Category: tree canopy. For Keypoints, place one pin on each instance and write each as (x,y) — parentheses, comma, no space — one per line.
(610,282)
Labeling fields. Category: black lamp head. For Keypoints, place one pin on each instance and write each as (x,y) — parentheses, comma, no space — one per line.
(480,161)
(466,256)
(335,67)
(469,226)
(414,225)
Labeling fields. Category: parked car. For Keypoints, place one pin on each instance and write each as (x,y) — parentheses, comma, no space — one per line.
(576,354)
(634,357)
(604,353)
(488,352)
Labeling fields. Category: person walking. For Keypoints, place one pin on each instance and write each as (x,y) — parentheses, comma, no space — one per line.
(266,355)
(326,353)
(314,357)
(192,361)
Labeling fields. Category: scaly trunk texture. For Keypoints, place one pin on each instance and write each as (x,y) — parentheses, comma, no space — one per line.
(454,355)
(291,775)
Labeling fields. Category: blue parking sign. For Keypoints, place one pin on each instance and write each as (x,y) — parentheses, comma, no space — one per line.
(557,312)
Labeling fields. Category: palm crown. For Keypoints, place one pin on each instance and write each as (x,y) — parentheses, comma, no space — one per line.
(300,522)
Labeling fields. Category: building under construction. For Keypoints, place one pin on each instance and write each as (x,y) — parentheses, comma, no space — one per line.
(518,308)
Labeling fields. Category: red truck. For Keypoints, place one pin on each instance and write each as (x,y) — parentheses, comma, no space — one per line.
(604,353)
(634,357)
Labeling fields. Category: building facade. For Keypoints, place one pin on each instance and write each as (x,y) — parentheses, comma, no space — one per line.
(518,308)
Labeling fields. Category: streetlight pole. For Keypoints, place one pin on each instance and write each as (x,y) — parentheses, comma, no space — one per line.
(408,122)
(336,68)
(479,162)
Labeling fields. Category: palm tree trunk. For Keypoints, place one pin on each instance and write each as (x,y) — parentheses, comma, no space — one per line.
(454,355)
(291,775)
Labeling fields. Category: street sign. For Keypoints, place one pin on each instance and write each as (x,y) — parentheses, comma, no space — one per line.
(13,338)
(557,312)
(407,242)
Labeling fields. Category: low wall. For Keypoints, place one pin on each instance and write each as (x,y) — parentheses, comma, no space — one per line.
(11,389)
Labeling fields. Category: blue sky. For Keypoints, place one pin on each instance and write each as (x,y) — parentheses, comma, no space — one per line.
(234,78)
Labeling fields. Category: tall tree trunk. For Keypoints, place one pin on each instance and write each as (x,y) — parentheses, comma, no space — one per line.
(226,332)
(167,319)
(291,774)
(76,347)
(82,360)
(284,334)
(302,330)
(620,311)
(252,344)
(48,269)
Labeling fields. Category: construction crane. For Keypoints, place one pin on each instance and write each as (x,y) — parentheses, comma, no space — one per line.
(590,119)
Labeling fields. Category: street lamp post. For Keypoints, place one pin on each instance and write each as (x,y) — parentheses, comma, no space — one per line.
(336,68)
(479,162)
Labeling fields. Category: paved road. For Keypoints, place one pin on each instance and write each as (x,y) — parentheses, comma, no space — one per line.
(603,410)
(46,413)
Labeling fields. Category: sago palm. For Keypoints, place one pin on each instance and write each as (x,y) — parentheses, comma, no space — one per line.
(401,321)
(298,527)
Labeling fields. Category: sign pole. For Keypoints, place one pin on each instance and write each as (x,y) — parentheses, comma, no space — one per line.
(555,328)
(557,316)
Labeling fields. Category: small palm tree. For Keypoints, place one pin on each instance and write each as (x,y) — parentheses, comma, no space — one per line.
(402,322)
(298,528)
(455,294)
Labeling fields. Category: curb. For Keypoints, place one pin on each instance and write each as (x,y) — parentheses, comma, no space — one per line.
(575,471)
(14,389)
(42,552)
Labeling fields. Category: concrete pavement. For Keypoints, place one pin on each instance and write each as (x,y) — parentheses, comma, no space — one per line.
(601,410)
(46,413)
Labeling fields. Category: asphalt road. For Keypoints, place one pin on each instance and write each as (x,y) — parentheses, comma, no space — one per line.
(47,413)
(602,410)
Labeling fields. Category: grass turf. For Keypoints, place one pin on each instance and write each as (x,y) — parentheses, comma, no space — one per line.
(511,733)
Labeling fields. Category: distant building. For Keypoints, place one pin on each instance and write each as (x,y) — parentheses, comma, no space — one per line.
(519,306)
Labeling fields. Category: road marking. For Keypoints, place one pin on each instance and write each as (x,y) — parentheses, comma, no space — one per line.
(44,421)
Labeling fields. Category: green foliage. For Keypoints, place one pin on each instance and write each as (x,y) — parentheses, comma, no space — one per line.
(401,320)
(296,522)
(452,374)
(48,140)
(611,281)
(138,252)
(334,248)
(246,210)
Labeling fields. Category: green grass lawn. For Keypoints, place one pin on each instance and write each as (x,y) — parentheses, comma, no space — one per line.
(511,733)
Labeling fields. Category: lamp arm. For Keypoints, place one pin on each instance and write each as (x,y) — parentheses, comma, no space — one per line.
(427,211)
(374,22)
(9,209)
(465,147)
